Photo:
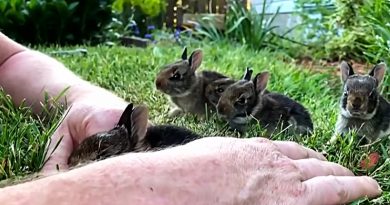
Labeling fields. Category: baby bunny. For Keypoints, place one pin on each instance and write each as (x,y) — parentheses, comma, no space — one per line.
(362,108)
(131,134)
(185,86)
(247,98)
(215,89)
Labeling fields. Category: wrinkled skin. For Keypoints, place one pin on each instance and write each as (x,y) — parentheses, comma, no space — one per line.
(267,172)
(211,170)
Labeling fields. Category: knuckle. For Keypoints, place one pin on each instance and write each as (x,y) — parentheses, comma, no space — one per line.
(261,140)
(340,193)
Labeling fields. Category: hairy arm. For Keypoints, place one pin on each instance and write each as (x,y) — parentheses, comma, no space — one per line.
(206,171)
(27,74)
(129,179)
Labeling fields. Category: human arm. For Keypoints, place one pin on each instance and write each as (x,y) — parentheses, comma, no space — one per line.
(28,74)
(207,171)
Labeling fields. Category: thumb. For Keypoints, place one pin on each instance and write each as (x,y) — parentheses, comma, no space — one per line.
(59,149)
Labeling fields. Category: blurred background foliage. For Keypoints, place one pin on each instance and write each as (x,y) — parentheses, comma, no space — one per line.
(346,29)
(54,21)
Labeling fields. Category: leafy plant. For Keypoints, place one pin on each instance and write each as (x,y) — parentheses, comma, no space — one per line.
(376,14)
(313,29)
(150,8)
(117,28)
(144,13)
(54,21)
(343,31)
(256,30)
(349,28)
(378,48)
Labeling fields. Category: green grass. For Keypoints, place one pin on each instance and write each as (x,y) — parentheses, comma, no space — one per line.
(130,73)
(23,136)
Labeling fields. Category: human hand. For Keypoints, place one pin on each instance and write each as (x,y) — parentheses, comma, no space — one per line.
(89,114)
(212,170)
(92,109)
(260,171)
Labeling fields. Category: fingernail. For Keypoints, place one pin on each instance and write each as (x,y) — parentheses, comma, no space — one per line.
(370,179)
(379,188)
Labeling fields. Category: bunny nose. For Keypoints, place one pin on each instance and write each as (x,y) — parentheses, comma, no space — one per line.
(356,104)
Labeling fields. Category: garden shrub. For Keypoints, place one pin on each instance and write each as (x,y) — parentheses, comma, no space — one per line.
(351,29)
(248,27)
(146,14)
(339,32)
(376,13)
(54,21)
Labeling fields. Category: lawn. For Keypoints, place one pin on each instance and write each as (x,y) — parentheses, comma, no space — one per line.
(130,73)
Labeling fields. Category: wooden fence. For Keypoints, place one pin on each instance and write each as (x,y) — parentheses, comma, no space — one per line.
(176,9)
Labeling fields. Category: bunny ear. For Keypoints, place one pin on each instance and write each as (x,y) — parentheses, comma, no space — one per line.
(125,119)
(184,54)
(378,72)
(346,70)
(248,74)
(195,59)
(261,81)
(139,123)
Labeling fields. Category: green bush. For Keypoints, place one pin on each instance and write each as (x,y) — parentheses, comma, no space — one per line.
(340,32)
(376,13)
(353,26)
(377,16)
(245,26)
(150,8)
(54,21)
(351,29)
(145,13)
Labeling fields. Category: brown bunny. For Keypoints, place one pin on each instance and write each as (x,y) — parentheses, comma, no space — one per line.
(131,134)
(185,86)
(362,108)
(121,139)
(246,99)
(215,89)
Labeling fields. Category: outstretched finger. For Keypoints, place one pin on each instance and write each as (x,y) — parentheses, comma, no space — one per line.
(310,168)
(340,189)
(295,151)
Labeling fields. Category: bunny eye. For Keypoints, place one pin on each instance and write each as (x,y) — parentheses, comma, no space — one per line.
(220,90)
(175,76)
(241,101)
(346,93)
